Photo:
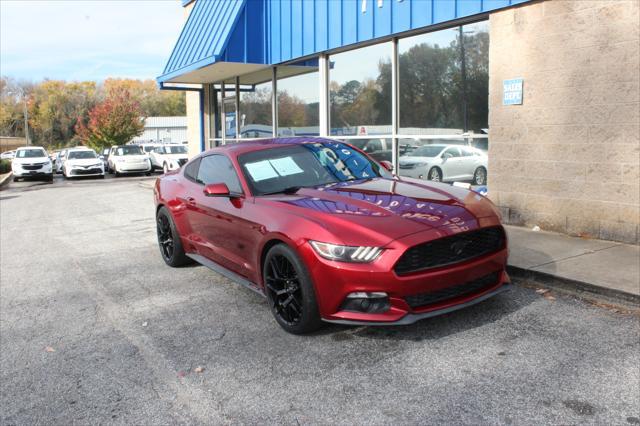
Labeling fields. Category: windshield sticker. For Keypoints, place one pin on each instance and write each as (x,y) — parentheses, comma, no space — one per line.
(286,166)
(262,170)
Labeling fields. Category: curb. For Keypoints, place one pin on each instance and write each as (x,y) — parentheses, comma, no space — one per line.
(576,287)
(4,180)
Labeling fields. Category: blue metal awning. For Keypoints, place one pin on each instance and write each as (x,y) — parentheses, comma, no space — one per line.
(223,39)
(217,32)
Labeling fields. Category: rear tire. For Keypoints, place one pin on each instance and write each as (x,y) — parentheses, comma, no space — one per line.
(290,291)
(169,240)
(480,176)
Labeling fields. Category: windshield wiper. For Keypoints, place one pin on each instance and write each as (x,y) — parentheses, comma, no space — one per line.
(288,190)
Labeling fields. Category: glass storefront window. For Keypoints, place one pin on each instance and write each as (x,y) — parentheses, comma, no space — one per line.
(255,112)
(360,91)
(443,87)
(298,101)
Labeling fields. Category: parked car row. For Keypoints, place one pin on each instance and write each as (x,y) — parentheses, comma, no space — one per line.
(35,162)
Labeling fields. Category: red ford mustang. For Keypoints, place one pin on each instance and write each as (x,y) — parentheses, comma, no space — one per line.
(326,233)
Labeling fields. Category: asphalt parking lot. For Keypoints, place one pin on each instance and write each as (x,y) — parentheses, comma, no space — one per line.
(94,328)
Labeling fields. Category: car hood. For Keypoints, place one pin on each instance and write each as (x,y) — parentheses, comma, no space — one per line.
(175,156)
(413,160)
(381,210)
(30,160)
(83,161)
(132,158)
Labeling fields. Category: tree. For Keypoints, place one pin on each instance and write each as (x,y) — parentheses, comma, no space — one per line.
(153,102)
(115,121)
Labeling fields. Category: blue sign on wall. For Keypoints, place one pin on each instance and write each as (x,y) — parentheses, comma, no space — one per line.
(512,91)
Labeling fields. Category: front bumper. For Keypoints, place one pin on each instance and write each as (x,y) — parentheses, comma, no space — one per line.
(416,172)
(333,281)
(41,171)
(133,167)
(94,171)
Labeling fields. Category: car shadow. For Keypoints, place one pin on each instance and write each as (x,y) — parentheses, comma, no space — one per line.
(486,312)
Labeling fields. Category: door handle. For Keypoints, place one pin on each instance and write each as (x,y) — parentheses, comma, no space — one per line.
(191,201)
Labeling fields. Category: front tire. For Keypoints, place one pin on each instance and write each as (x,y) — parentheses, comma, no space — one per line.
(169,240)
(435,174)
(290,291)
(480,176)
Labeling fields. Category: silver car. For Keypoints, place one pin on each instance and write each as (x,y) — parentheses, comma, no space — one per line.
(445,163)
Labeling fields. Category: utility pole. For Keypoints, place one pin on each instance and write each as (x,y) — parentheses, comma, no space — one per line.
(25,112)
(463,68)
(26,119)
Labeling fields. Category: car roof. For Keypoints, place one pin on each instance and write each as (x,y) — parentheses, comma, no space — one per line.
(237,149)
(30,147)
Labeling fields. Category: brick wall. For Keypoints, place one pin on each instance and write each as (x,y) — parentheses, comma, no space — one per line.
(568,158)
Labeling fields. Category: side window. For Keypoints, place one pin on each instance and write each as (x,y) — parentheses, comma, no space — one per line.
(454,152)
(374,145)
(158,150)
(191,170)
(217,169)
(466,152)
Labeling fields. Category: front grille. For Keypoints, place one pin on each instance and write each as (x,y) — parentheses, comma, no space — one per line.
(182,162)
(449,250)
(468,288)
(91,171)
(32,166)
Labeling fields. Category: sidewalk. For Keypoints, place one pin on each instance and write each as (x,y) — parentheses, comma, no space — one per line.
(603,268)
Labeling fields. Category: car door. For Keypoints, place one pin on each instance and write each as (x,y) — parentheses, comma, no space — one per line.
(451,163)
(222,222)
(468,163)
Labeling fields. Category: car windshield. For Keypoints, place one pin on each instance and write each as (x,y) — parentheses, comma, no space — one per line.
(31,153)
(275,170)
(425,151)
(175,149)
(81,155)
(129,150)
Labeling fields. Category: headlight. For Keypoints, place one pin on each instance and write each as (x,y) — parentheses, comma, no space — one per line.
(346,253)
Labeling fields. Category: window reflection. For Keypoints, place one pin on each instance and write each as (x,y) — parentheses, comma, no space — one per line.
(441,78)
(360,91)
(298,101)
(255,112)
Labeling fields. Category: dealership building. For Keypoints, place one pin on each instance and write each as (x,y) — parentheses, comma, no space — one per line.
(548,89)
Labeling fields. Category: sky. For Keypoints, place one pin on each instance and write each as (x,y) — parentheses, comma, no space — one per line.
(87,40)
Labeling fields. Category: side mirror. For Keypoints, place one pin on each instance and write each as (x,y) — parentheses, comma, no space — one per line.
(387,165)
(446,156)
(101,157)
(216,190)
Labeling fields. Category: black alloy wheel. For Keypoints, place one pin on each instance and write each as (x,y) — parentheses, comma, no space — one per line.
(289,291)
(169,240)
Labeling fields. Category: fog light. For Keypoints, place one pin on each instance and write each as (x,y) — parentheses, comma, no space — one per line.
(370,303)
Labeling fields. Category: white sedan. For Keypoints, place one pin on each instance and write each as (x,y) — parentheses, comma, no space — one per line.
(82,162)
(128,159)
(445,163)
(168,157)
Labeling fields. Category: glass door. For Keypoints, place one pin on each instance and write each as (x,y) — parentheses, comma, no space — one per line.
(229,120)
